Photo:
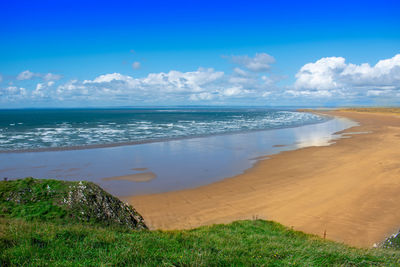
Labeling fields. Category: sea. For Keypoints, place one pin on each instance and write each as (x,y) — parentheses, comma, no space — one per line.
(163,149)
(50,129)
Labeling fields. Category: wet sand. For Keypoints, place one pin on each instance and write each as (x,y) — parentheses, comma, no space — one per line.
(178,164)
(137,177)
(350,189)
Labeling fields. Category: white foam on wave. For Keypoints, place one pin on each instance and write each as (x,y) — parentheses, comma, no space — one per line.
(67,134)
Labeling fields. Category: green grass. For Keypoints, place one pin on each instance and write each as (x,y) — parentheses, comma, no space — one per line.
(51,239)
(257,243)
(64,202)
(31,198)
(392,242)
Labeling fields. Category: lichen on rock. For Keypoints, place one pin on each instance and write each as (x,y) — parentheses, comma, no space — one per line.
(89,201)
(46,199)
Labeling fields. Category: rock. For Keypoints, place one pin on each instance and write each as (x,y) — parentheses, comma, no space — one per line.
(44,199)
(89,201)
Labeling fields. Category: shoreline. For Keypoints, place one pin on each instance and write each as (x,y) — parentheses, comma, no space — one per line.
(157,140)
(179,164)
(346,189)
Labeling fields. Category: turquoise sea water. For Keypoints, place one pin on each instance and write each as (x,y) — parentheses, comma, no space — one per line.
(62,128)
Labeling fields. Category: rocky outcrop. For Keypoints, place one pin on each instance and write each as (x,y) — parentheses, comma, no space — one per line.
(392,241)
(89,201)
(42,199)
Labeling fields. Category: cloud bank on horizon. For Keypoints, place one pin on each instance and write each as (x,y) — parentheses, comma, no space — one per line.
(251,81)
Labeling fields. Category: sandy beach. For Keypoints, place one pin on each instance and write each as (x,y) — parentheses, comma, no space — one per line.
(350,189)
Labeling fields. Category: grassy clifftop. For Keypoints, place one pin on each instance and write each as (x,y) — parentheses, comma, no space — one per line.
(64,202)
(30,235)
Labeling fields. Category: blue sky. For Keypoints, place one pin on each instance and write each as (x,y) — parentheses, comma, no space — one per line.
(113,53)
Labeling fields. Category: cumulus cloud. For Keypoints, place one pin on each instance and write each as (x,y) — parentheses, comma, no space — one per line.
(333,73)
(385,74)
(172,82)
(43,90)
(201,96)
(25,75)
(237,91)
(309,93)
(51,77)
(136,65)
(12,93)
(71,88)
(240,72)
(203,84)
(259,63)
(195,85)
(107,78)
(320,74)
(327,78)
(28,75)
(176,81)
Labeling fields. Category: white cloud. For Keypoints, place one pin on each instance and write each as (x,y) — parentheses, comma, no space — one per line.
(385,73)
(200,85)
(173,81)
(321,74)
(194,85)
(329,78)
(43,90)
(259,63)
(176,81)
(309,93)
(203,84)
(51,77)
(28,75)
(232,91)
(201,96)
(240,72)
(334,73)
(106,78)
(12,93)
(71,88)
(266,94)
(25,75)
(39,90)
(136,65)
(375,92)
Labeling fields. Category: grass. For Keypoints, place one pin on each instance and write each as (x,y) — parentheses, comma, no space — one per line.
(31,198)
(64,202)
(257,243)
(27,239)
(392,242)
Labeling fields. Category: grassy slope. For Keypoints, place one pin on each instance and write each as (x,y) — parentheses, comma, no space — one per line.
(392,242)
(240,243)
(69,243)
(65,202)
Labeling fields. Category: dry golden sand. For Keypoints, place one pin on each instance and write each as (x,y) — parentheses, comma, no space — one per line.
(350,189)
